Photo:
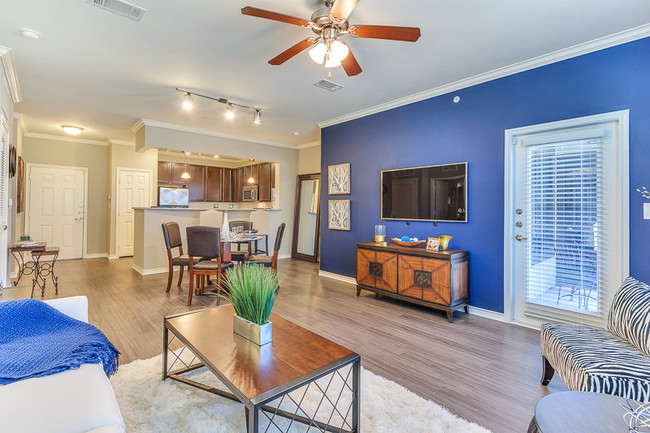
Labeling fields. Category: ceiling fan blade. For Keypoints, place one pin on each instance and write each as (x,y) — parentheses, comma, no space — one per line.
(261,13)
(408,34)
(342,9)
(287,54)
(351,65)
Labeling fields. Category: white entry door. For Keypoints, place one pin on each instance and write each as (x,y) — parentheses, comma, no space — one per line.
(133,190)
(57,208)
(567,219)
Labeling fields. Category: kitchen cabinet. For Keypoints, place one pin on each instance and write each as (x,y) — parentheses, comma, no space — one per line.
(196,182)
(214,184)
(177,169)
(164,173)
(226,185)
(238,184)
(264,181)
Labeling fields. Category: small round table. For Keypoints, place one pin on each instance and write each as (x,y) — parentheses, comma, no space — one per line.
(572,411)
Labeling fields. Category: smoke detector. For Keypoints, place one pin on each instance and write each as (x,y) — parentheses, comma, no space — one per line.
(121,8)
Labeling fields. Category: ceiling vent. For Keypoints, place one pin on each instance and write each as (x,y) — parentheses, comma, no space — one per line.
(121,8)
(328,85)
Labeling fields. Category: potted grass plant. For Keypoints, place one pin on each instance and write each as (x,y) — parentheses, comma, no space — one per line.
(251,289)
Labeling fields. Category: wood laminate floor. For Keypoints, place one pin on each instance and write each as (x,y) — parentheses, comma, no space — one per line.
(483,370)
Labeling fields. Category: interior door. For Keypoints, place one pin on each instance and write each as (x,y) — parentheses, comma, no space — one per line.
(57,208)
(4,198)
(133,190)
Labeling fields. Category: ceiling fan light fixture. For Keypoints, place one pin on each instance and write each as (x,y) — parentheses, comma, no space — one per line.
(188,101)
(317,53)
(332,62)
(230,111)
(339,51)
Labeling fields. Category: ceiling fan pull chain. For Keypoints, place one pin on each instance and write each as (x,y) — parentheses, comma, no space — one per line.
(329,73)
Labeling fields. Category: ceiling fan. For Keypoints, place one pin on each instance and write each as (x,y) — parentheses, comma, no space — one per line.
(330,23)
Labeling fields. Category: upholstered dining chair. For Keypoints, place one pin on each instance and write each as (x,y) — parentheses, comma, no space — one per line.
(270,261)
(172,236)
(205,242)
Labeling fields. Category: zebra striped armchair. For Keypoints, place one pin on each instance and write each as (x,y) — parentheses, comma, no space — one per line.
(612,361)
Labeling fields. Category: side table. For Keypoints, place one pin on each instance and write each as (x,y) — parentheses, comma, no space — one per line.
(25,267)
(573,411)
(44,269)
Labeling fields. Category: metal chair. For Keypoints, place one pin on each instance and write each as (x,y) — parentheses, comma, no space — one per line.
(172,235)
(205,242)
(270,261)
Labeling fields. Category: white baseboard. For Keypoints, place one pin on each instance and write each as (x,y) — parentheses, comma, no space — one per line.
(97,256)
(284,256)
(113,257)
(152,271)
(339,277)
(488,314)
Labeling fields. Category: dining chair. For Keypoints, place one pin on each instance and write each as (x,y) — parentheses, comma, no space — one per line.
(270,261)
(205,242)
(172,235)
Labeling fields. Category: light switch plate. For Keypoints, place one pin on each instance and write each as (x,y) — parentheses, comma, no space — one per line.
(646,211)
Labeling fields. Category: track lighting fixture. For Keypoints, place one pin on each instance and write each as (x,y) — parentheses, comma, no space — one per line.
(257,117)
(230,111)
(188,101)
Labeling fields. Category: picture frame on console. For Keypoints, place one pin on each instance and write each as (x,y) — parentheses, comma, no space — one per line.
(433,245)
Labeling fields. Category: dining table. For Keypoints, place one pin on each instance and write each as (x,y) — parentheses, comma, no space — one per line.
(227,241)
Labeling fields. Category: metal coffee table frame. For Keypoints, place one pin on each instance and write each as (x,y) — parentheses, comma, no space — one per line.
(259,404)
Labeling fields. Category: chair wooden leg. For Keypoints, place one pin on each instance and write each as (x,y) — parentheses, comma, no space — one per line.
(169,279)
(548,372)
(218,288)
(189,297)
(180,276)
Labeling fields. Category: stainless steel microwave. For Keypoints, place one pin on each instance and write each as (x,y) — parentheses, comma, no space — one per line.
(250,193)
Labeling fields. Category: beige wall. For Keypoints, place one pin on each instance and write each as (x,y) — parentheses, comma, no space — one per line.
(167,138)
(121,156)
(37,150)
(309,160)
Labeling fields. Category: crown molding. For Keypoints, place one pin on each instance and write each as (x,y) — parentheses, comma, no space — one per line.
(69,139)
(536,62)
(146,122)
(308,145)
(121,142)
(10,72)
(22,122)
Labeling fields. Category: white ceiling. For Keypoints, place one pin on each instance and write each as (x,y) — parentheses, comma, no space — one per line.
(102,71)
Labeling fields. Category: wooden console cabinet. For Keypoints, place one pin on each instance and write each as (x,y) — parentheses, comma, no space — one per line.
(438,280)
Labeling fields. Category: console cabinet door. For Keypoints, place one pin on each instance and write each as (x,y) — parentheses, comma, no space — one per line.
(377,269)
(426,279)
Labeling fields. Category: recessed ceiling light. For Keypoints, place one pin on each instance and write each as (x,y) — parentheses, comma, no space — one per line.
(216,156)
(296,133)
(30,33)
(72,130)
(187,153)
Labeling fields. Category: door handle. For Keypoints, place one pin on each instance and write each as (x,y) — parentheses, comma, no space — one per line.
(78,219)
(520,238)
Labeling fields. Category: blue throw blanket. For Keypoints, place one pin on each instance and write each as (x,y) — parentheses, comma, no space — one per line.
(38,340)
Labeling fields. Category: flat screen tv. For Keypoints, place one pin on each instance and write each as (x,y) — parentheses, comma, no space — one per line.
(431,193)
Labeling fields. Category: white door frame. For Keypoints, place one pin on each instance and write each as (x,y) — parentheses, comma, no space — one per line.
(28,191)
(117,198)
(623,119)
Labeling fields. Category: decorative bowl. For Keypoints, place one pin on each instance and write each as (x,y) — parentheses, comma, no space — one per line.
(402,243)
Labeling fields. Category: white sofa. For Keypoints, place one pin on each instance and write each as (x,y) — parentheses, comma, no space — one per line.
(74,401)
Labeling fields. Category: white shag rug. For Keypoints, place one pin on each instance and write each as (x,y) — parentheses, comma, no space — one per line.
(150,405)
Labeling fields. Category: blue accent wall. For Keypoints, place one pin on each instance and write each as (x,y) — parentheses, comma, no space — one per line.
(437,131)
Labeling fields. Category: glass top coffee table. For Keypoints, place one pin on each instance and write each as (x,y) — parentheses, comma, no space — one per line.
(298,368)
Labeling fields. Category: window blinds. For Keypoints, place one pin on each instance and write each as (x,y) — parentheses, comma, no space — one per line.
(565,228)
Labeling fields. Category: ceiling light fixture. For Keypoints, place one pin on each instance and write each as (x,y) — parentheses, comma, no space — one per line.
(230,106)
(216,156)
(251,179)
(188,101)
(72,130)
(185,174)
(29,33)
(230,111)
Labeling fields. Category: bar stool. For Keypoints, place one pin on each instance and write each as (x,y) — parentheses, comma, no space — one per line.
(260,220)
(270,261)
(238,254)
(44,269)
